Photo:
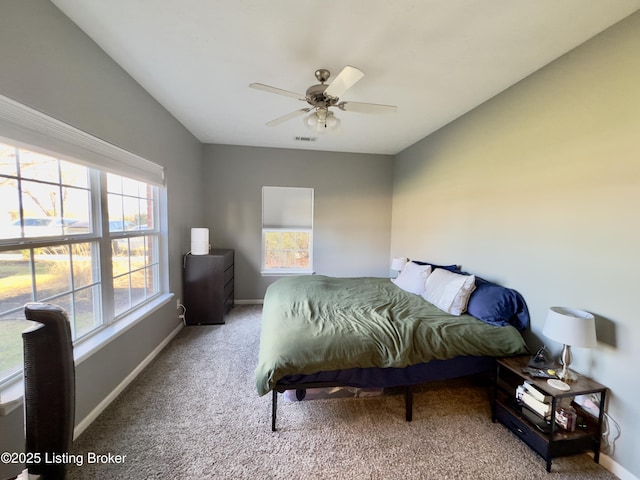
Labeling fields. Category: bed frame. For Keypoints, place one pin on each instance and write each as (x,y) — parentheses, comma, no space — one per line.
(405,378)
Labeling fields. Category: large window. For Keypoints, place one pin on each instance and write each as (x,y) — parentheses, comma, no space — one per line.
(72,233)
(287,230)
(52,245)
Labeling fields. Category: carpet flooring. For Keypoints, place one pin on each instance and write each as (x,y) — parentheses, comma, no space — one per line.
(194,413)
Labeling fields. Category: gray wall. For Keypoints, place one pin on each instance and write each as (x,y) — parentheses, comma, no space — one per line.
(352,208)
(538,188)
(50,65)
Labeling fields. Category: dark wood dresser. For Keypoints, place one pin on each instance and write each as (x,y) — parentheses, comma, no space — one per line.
(208,286)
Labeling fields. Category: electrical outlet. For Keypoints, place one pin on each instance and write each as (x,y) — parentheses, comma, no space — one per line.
(181,310)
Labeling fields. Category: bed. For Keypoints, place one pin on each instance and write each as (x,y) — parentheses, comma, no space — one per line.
(368,332)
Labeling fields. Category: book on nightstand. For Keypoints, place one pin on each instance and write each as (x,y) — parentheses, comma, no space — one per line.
(535,393)
(541,408)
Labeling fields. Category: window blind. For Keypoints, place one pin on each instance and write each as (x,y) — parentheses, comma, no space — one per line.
(287,207)
(37,131)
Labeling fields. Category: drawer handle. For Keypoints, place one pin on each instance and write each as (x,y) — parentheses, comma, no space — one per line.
(517,428)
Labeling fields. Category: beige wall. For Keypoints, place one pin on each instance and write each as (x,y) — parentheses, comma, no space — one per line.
(539,189)
(352,208)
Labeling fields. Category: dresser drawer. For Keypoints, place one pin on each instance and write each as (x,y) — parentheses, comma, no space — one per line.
(228,290)
(522,430)
(228,274)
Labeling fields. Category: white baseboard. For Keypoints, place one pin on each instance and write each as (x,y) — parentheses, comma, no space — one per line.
(86,421)
(618,470)
(257,301)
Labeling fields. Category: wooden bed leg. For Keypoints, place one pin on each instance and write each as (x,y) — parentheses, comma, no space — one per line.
(408,403)
(274,408)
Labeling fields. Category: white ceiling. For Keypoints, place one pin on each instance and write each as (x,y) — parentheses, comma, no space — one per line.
(434,59)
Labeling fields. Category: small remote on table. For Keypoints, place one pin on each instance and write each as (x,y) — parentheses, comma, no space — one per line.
(540,373)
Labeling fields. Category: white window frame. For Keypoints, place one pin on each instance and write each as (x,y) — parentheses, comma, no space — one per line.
(27,128)
(291,218)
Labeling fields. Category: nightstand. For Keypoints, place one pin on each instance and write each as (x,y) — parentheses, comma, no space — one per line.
(547,438)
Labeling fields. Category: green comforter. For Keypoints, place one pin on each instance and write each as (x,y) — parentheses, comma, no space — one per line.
(316,323)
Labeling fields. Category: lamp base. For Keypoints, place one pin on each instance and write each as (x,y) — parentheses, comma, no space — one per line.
(568,376)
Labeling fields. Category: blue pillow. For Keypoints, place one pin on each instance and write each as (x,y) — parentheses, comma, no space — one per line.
(451,268)
(498,305)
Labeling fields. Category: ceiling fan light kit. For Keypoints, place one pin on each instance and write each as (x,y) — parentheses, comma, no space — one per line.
(321,121)
(322,96)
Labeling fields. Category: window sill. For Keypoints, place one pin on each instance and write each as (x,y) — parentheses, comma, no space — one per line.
(11,396)
(12,393)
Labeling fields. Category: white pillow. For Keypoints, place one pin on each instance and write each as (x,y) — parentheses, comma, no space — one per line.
(412,278)
(449,291)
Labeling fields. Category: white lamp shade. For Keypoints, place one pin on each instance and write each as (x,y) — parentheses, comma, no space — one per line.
(569,326)
(398,263)
(321,121)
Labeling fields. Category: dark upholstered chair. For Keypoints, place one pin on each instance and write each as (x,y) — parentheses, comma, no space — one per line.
(49,384)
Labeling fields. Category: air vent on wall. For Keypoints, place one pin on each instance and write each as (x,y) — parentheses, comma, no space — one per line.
(306,139)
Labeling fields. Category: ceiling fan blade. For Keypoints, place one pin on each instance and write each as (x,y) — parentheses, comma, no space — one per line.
(346,79)
(279,91)
(366,107)
(288,116)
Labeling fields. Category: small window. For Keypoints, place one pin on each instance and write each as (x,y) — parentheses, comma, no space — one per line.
(287,230)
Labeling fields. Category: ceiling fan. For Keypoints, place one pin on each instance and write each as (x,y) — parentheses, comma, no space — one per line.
(323,96)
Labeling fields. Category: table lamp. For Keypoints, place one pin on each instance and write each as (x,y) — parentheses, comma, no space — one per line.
(572,328)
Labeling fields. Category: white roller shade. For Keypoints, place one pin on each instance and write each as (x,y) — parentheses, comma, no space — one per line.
(287,207)
(19,123)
